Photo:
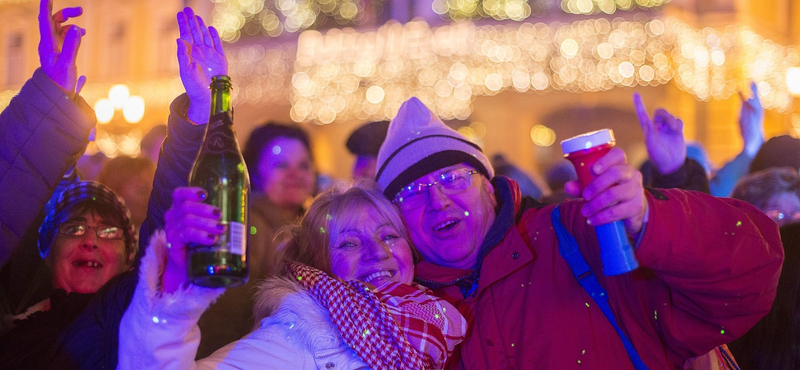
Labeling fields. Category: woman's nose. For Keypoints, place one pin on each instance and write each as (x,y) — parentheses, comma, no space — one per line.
(90,240)
(376,250)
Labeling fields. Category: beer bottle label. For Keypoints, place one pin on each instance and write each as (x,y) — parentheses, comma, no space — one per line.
(219,137)
(238,238)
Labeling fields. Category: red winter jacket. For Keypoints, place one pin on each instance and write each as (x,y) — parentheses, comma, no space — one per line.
(709,270)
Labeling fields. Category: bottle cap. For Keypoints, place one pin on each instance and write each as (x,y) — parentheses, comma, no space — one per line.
(587,140)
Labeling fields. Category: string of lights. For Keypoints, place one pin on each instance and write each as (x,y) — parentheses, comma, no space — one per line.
(607,6)
(346,74)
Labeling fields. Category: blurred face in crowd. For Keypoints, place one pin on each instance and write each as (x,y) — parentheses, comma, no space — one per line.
(783,208)
(287,171)
(448,221)
(86,253)
(136,193)
(365,167)
(372,249)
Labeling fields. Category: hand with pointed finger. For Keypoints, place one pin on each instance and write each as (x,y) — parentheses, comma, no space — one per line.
(663,137)
(200,57)
(751,121)
(189,220)
(616,193)
(58,46)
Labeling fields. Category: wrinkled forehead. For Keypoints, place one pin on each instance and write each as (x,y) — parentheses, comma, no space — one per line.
(353,217)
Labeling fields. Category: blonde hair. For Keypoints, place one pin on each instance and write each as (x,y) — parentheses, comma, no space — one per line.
(330,213)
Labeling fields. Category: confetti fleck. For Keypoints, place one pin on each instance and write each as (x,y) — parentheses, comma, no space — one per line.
(365,333)
(579,361)
(253,230)
(655,314)
(587,304)
(322,230)
(299,278)
(738,223)
(512,344)
(583,352)
(436,315)
(722,331)
(466,213)
(155,319)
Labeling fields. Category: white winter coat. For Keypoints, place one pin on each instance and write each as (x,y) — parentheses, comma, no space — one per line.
(159,330)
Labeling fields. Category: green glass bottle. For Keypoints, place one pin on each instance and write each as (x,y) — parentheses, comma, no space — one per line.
(221,171)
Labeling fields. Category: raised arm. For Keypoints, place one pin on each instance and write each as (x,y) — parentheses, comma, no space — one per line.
(200,57)
(668,166)
(751,126)
(44,129)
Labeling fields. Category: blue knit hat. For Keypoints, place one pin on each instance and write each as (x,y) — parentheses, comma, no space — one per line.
(419,143)
(75,194)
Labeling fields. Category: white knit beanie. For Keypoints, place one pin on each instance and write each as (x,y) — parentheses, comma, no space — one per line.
(419,143)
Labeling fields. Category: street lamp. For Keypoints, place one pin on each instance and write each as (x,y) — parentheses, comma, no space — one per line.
(114,139)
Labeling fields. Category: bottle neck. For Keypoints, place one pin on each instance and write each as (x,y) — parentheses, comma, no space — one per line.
(220,95)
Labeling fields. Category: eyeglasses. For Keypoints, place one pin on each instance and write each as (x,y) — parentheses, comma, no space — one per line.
(783,218)
(78,229)
(451,182)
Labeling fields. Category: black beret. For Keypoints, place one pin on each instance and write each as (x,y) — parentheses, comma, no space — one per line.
(368,138)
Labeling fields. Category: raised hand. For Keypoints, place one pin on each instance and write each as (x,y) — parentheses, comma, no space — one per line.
(200,57)
(616,193)
(663,137)
(189,220)
(751,121)
(58,46)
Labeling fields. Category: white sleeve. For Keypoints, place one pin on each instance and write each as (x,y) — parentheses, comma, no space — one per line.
(159,330)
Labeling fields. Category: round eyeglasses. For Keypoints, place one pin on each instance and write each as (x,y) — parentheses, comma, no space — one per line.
(450,182)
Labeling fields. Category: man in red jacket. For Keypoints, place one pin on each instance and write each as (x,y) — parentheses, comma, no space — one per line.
(709,266)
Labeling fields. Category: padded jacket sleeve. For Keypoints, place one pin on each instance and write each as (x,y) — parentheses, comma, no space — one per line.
(42,133)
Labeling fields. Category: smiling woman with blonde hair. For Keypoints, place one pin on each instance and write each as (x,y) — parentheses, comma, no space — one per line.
(344,296)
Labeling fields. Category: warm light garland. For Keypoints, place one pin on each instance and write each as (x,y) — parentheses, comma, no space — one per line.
(345,75)
(498,9)
(274,17)
(607,6)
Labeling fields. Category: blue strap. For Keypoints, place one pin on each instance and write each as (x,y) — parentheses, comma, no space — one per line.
(568,248)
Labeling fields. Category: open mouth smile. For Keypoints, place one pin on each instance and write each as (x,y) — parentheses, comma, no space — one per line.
(376,276)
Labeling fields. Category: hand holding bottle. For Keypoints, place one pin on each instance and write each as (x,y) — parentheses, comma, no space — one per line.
(188,220)
(200,57)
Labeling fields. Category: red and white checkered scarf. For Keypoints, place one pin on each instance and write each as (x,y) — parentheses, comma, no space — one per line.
(398,327)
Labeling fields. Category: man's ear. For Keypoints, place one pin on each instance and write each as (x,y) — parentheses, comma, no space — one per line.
(489,189)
